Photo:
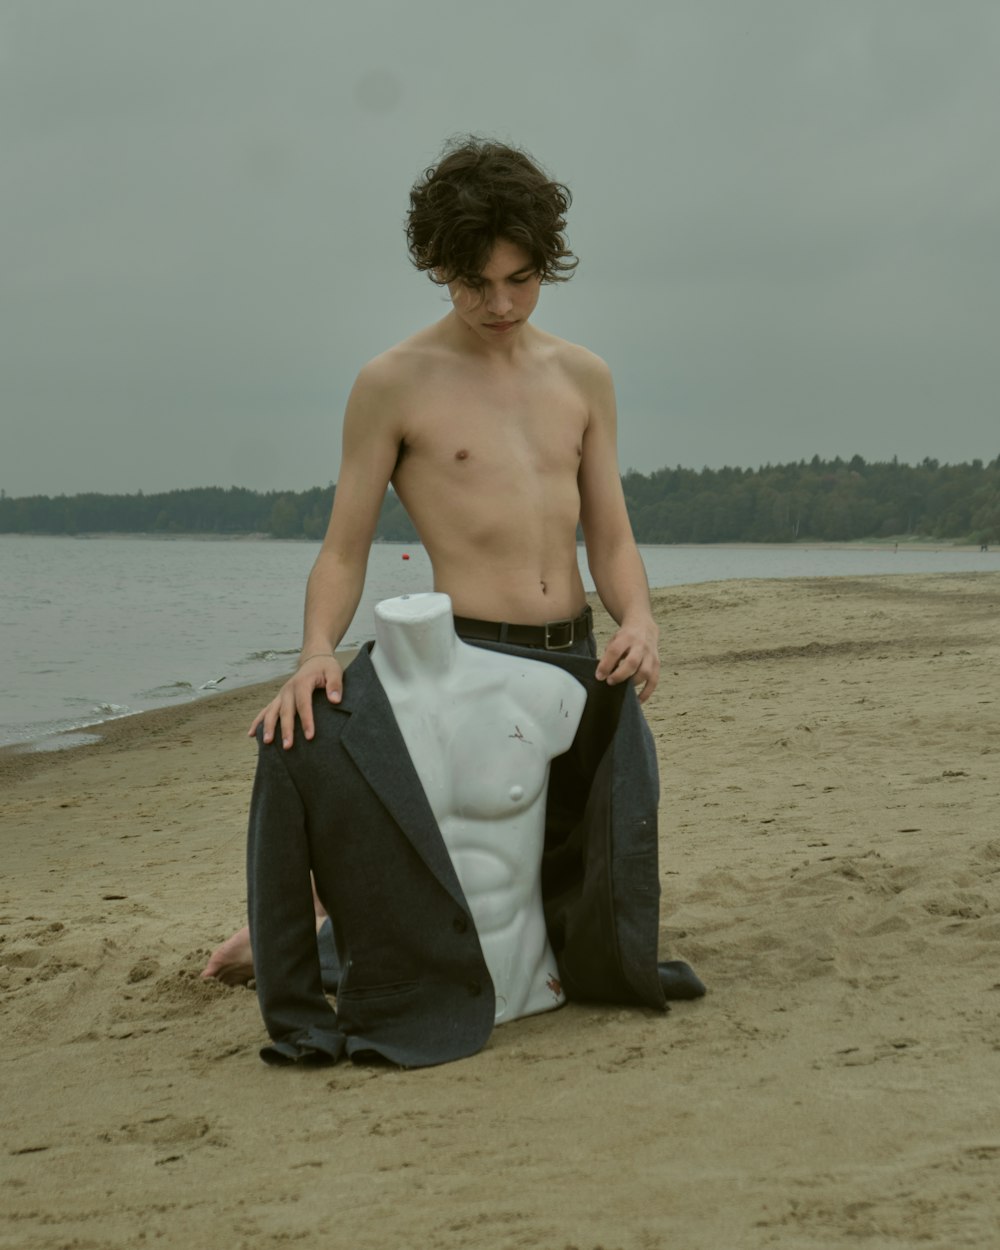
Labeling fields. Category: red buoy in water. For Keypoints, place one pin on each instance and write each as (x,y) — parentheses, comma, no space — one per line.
(405,556)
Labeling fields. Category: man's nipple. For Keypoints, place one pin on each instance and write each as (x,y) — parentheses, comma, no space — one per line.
(461,454)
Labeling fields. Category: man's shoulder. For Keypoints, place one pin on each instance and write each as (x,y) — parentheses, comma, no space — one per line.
(422,355)
(388,367)
(399,364)
(579,362)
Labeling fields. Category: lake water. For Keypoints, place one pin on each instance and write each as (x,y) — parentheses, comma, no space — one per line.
(101,627)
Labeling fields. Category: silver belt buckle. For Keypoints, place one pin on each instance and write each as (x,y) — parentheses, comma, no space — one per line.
(559,646)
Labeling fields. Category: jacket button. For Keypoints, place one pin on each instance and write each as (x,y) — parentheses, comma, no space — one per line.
(474,988)
(460,924)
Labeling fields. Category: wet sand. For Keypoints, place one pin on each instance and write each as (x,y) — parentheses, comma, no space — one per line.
(830,858)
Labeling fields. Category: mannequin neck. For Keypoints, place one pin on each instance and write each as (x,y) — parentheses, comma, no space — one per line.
(415,637)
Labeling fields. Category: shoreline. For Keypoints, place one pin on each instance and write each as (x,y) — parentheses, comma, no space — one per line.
(901,543)
(20,759)
(81,733)
(883,545)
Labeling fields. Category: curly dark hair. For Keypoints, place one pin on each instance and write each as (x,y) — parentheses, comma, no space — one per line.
(478,192)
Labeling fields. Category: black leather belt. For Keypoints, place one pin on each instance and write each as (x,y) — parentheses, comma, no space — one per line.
(552,636)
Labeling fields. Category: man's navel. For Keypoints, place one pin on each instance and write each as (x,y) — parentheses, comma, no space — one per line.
(461,454)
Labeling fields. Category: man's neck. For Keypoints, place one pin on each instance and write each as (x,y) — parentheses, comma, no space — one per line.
(504,351)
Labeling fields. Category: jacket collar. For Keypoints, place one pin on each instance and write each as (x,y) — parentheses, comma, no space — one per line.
(375,744)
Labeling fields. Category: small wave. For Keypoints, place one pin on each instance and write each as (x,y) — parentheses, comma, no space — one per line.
(271,655)
(112,709)
(61,742)
(171,690)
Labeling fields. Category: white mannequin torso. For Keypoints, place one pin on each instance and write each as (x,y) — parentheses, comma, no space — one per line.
(481,729)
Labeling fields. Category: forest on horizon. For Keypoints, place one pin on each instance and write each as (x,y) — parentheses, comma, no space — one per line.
(822,500)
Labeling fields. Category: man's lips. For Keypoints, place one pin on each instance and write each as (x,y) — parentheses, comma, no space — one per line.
(499,325)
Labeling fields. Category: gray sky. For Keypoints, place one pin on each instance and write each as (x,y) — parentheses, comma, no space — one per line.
(787,214)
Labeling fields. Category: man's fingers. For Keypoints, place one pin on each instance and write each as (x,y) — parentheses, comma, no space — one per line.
(295,699)
(623,668)
(270,721)
(630,664)
(303,703)
(286,718)
(652,681)
(614,653)
(266,717)
(304,706)
(630,656)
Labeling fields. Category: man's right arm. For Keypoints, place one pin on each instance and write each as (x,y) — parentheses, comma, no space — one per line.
(372,436)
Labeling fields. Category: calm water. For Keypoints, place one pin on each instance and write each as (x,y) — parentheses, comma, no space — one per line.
(101,627)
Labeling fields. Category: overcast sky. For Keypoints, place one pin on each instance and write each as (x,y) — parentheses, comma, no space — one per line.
(787,216)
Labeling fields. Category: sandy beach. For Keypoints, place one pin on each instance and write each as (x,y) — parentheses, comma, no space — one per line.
(830,861)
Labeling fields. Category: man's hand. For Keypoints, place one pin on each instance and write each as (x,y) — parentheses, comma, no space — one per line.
(295,697)
(632,653)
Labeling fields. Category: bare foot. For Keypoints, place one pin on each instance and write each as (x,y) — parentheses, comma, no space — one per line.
(232,962)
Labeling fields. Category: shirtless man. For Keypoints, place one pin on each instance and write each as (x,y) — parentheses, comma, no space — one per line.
(498,438)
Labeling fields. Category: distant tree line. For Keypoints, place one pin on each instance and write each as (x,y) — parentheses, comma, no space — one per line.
(200,510)
(827,500)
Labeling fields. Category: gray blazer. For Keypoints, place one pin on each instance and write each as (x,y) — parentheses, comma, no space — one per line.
(413,986)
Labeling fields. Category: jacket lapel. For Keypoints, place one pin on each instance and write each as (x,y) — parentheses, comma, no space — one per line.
(374,743)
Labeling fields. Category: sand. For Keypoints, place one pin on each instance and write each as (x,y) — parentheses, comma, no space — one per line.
(831,866)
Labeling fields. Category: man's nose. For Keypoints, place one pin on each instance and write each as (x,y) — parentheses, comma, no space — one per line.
(499,302)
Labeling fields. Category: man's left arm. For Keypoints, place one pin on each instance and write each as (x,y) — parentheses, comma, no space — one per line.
(614,559)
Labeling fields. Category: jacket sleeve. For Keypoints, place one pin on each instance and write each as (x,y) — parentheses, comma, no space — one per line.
(299,1019)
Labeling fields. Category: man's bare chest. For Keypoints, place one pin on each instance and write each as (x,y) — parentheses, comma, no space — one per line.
(502,426)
